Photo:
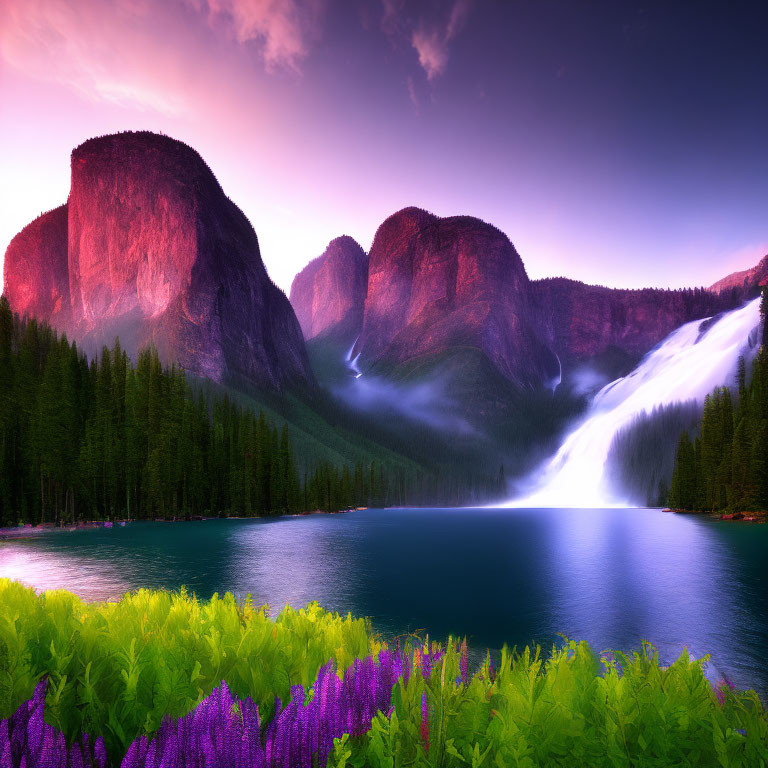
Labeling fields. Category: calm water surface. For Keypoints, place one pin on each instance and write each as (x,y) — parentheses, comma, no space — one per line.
(609,576)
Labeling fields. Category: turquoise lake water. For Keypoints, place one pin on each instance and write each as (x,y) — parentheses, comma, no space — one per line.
(609,576)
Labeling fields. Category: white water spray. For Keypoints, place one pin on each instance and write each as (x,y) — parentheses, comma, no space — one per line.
(352,361)
(688,365)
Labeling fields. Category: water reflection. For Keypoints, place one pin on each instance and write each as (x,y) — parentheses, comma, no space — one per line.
(284,563)
(611,576)
(650,576)
(49,570)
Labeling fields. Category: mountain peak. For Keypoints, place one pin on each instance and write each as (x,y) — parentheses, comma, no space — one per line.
(328,294)
(148,248)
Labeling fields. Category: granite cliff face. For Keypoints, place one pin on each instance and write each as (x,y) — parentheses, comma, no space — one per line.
(582,321)
(155,252)
(36,271)
(328,295)
(438,284)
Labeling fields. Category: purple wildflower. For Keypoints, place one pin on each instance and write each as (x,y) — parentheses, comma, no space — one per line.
(26,740)
(223,733)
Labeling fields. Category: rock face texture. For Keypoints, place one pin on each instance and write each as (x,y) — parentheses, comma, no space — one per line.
(36,271)
(747,280)
(436,284)
(328,295)
(582,321)
(156,253)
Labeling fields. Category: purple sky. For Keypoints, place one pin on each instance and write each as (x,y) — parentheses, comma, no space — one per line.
(615,142)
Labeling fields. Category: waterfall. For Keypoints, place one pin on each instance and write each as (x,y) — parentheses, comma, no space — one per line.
(352,359)
(689,364)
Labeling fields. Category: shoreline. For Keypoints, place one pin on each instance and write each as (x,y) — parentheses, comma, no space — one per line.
(29,531)
(743,517)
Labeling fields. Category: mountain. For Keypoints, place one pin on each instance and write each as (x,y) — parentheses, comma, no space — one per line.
(37,269)
(450,337)
(442,287)
(328,295)
(149,248)
(614,327)
(747,280)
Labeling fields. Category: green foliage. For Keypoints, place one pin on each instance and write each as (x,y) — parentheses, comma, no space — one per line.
(570,709)
(116,668)
(105,439)
(727,467)
(642,454)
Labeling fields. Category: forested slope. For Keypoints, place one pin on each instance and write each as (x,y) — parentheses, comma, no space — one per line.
(103,438)
(726,466)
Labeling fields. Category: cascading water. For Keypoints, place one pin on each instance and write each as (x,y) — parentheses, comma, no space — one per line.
(689,364)
(352,359)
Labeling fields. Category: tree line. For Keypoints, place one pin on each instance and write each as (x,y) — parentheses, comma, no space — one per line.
(725,467)
(104,439)
(642,454)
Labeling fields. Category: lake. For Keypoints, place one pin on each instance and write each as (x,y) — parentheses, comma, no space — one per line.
(609,576)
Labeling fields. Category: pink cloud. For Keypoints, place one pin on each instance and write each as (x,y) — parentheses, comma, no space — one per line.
(429,30)
(149,55)
(104,51)
(431,38)
(285,29)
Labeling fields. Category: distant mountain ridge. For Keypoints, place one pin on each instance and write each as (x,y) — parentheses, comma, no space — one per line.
(582,322)
(437,286)
(148,248)
(746,279)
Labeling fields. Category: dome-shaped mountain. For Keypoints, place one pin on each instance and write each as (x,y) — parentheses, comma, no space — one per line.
(439,284)
(156,253)
(36,269)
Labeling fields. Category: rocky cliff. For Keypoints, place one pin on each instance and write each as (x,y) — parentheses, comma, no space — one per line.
(439,284)
(747,280)
(328,295)
(156,253)
(36,271)
(581,321)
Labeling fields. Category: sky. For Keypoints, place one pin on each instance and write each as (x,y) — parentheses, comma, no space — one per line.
(619,143)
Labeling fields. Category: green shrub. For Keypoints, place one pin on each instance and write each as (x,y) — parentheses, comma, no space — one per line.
(116,668)
(573,709)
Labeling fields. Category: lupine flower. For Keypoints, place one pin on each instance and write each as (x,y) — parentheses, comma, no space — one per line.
(491,670)
(425,722)
(223,733)
(27,741)
(464,662)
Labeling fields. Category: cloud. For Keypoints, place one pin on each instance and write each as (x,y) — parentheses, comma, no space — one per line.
(149,55)
(285,29)
(427,28)
(104,51)
(425,402)
(431,38)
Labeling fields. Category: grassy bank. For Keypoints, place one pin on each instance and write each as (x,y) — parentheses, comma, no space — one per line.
(115,670)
